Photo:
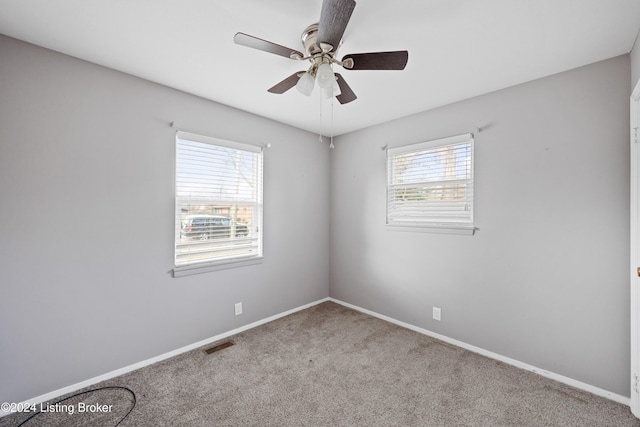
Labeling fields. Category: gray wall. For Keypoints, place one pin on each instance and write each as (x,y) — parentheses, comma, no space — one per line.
(86,222)
(545,279)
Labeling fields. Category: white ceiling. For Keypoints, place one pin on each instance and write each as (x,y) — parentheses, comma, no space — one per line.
(457,48)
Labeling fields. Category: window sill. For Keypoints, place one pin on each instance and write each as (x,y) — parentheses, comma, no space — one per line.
(465,230)
(206,267)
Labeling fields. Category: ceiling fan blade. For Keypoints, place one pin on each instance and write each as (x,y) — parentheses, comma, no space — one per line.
(286,84)
(395,60)
(266,46)
(347,94)
(334,17)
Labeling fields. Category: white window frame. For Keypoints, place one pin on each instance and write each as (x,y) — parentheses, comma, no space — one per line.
(398,222)
(255,238)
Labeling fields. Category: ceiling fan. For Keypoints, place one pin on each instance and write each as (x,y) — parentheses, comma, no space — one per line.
(321,42)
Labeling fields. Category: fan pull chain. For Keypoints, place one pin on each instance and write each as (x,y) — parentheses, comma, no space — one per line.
(331,144)
(320,126)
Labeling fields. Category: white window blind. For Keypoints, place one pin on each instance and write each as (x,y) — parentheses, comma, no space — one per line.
(218,201)
(431,183)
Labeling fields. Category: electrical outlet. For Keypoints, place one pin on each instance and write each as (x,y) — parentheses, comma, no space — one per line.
(437,313)
(238,308)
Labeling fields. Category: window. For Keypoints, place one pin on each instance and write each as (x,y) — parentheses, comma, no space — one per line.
(430,184)
(218,219)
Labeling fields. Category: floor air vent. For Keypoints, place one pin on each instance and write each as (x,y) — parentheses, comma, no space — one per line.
(219,347)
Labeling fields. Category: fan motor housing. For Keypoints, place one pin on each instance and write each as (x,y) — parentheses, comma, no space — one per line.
(309,39)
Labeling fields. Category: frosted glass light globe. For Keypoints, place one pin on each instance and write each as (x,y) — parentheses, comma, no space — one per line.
(325,76)
(305,84)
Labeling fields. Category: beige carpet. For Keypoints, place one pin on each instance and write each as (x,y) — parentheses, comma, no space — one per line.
(332,366)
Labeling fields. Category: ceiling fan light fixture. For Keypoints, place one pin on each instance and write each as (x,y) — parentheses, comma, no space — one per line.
(305,84)
(325,76)
(333,90)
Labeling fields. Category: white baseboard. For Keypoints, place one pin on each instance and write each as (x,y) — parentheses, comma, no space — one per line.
(560,378)
(557,377)
(70,389)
